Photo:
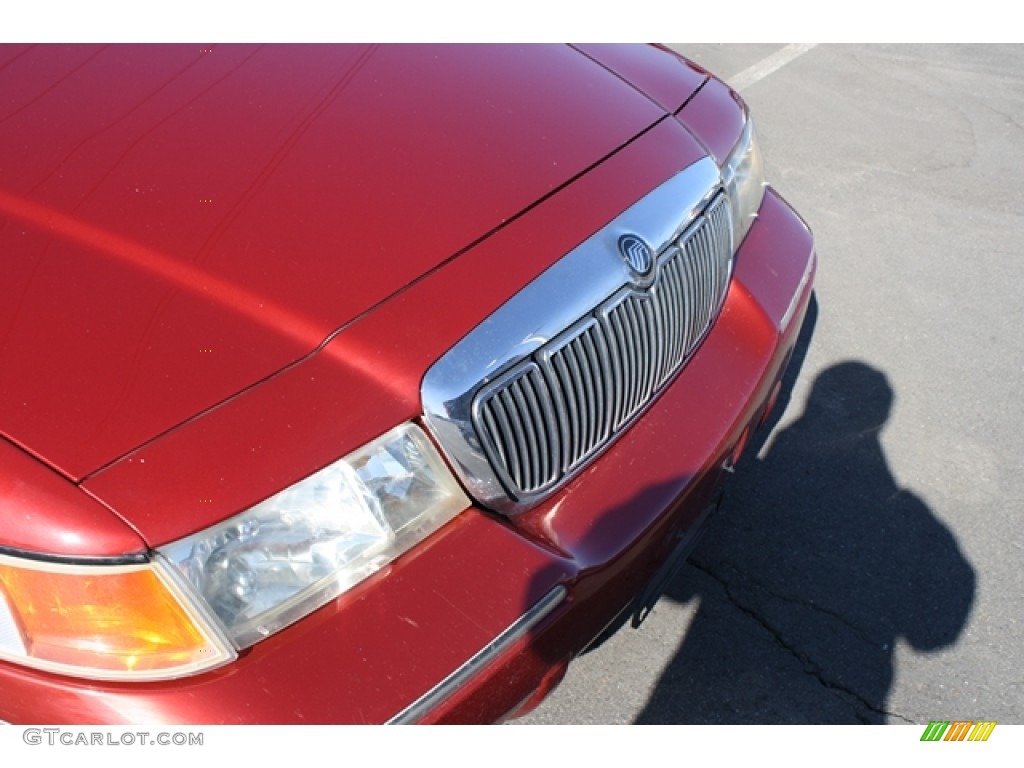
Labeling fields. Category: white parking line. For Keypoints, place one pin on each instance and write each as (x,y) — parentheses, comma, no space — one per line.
(769,64)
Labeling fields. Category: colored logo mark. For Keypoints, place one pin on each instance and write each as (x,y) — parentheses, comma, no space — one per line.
(639,257)
(958,730)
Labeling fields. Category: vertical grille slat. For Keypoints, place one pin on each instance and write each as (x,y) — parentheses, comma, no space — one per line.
(596,361)
(674,300)
(590,392)
(614,376)
(617,334)
(663,334)
(508,435)
(570,431)
(496,433)
(696,298)
(654,352)
(550,413)
(634,341)
(581,404)
(537,400)
(526,439)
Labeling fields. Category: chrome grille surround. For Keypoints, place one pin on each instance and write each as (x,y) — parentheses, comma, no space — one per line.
(544,418)
(545,383)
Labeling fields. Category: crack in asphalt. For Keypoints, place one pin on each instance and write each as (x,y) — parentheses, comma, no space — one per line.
(810,667)
(803,603)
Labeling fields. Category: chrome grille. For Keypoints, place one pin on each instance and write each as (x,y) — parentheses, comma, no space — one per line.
(545,417)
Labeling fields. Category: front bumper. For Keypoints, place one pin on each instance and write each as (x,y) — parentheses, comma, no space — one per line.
(480,622)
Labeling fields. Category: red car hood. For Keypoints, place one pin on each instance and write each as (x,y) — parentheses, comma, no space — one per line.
(179,222)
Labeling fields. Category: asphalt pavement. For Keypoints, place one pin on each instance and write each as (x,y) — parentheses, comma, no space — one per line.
(867,563)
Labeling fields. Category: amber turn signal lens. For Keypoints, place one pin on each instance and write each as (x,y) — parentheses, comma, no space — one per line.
(108,622)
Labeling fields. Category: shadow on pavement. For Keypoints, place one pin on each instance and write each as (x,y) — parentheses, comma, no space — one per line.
(817,564)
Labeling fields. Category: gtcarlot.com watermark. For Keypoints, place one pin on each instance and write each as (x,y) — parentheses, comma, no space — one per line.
(73,737)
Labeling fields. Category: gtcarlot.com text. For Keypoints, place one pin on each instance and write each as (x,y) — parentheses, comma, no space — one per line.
(78,738)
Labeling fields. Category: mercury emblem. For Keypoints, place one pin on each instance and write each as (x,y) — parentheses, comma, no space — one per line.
(639,257)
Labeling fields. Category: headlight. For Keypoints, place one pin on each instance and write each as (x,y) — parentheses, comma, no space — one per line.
(278,561)
(113,622)
(743,175)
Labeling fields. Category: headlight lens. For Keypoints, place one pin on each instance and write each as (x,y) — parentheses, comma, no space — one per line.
(743,175)
(278,561)
(119,622)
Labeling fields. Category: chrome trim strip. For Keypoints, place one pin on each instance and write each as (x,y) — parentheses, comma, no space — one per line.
(564,294)
(787,317)
(440,692)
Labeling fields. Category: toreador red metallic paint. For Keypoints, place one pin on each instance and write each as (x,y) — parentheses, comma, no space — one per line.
(226,267)
(189,222)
